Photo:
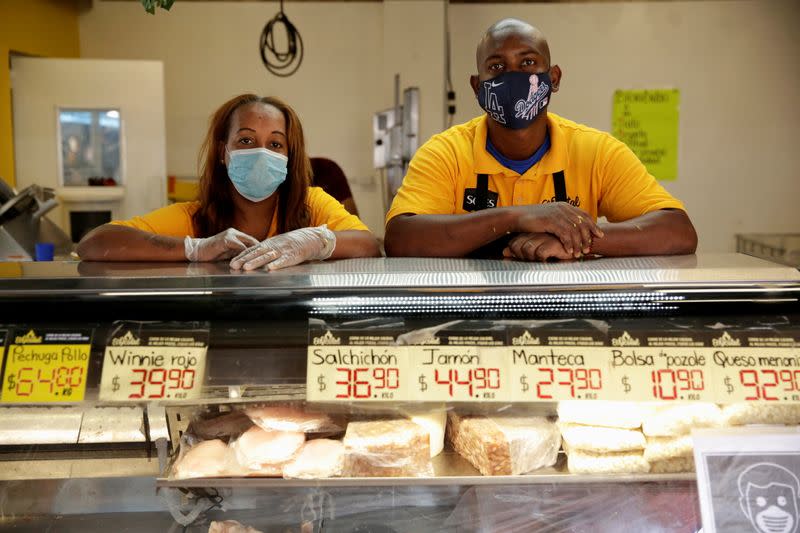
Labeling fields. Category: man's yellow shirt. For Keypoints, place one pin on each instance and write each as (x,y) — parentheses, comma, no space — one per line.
(603,176)
(176,220)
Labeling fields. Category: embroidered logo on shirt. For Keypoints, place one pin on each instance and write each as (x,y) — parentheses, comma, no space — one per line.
(571,201)
(470,202)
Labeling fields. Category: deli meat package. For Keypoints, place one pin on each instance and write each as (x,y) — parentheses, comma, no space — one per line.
(504,445)
(210,458)
(387,448)
(264,453)
(291,418)
(612,414)
(319,458)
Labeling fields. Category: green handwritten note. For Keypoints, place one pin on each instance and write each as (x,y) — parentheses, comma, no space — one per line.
(647,121)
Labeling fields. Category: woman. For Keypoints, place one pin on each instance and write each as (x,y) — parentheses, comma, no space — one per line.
(255,204)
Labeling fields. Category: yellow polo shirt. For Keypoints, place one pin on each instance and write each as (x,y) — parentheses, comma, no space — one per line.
(603,176)
(176,220)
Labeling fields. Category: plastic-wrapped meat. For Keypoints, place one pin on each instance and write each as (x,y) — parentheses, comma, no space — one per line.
(319,458)
(210,458)
(289,418)
(230,424)
(230,526)
(262,452)
(387,448)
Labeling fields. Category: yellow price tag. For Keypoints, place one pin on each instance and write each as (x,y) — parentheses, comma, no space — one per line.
(347,373)
(45,372)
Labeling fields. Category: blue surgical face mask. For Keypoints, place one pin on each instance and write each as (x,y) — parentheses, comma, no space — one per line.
(515,99)
(257,172)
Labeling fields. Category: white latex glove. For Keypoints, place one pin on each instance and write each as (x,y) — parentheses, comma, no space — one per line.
(223,245)
(288,249)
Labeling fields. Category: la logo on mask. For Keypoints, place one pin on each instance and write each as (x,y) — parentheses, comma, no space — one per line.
(515,99)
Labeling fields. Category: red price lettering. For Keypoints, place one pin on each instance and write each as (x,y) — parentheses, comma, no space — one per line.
(141,384)
(667,382)
(576,379)
(749,378)
(187,374)
(542,383)
(356,387)
(792,379)
(475,378)
(389,378)
(50,381)
(157,379)
(77,373)
(27,381)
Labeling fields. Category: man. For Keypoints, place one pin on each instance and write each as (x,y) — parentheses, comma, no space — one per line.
(527,181)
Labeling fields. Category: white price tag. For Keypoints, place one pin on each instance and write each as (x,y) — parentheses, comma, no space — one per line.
(347,373)
(459,373)
(162,368)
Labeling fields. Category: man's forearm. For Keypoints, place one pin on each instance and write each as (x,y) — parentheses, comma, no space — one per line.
(446,235)
(663,232)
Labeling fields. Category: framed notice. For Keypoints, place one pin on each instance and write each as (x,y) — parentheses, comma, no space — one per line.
(749,479)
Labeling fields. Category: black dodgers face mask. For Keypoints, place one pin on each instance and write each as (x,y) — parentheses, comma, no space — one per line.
(515,99)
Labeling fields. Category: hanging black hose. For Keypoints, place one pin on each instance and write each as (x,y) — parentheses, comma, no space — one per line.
(281,63)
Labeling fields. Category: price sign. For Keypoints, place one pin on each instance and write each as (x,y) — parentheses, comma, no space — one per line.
(46,366)
(152,365)
(459,373)
(557,365)
(356,373)
(762,371)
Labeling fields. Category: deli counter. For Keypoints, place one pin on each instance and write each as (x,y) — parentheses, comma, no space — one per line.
(385,394)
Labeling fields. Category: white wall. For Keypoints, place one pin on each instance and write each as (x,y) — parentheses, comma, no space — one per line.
(737,64)
(136,88)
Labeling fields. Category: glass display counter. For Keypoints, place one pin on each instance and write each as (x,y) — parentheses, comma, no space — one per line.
(114,372)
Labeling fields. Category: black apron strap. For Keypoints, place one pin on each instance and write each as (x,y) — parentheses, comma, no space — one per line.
(560,186)
(493,250)
(482,192)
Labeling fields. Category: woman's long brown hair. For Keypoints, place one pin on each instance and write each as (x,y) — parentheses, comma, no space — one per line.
(216,210)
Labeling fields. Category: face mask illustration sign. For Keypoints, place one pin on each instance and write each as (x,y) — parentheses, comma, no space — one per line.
(769,494)
(748,479)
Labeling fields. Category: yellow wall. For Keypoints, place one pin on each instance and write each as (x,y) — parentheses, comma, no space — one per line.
(46,28)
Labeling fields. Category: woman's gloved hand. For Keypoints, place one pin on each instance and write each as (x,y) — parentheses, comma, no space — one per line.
(223,245)
(288,249)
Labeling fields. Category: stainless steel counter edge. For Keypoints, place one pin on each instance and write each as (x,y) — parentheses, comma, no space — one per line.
(732,271)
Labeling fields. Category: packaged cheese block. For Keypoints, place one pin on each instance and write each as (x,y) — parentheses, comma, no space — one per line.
(674,419)
(503,446)
(625,415)
(290,418)
(387,448)
(672,466)
(210,458)
(319,458)
(434,421)
(265,452)
(740,414)
(661,448)
(598,439)
(580,462)
(230,526)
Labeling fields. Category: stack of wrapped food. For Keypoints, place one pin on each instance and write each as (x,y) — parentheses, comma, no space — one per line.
(668,430)
(288,441)
(603,437)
